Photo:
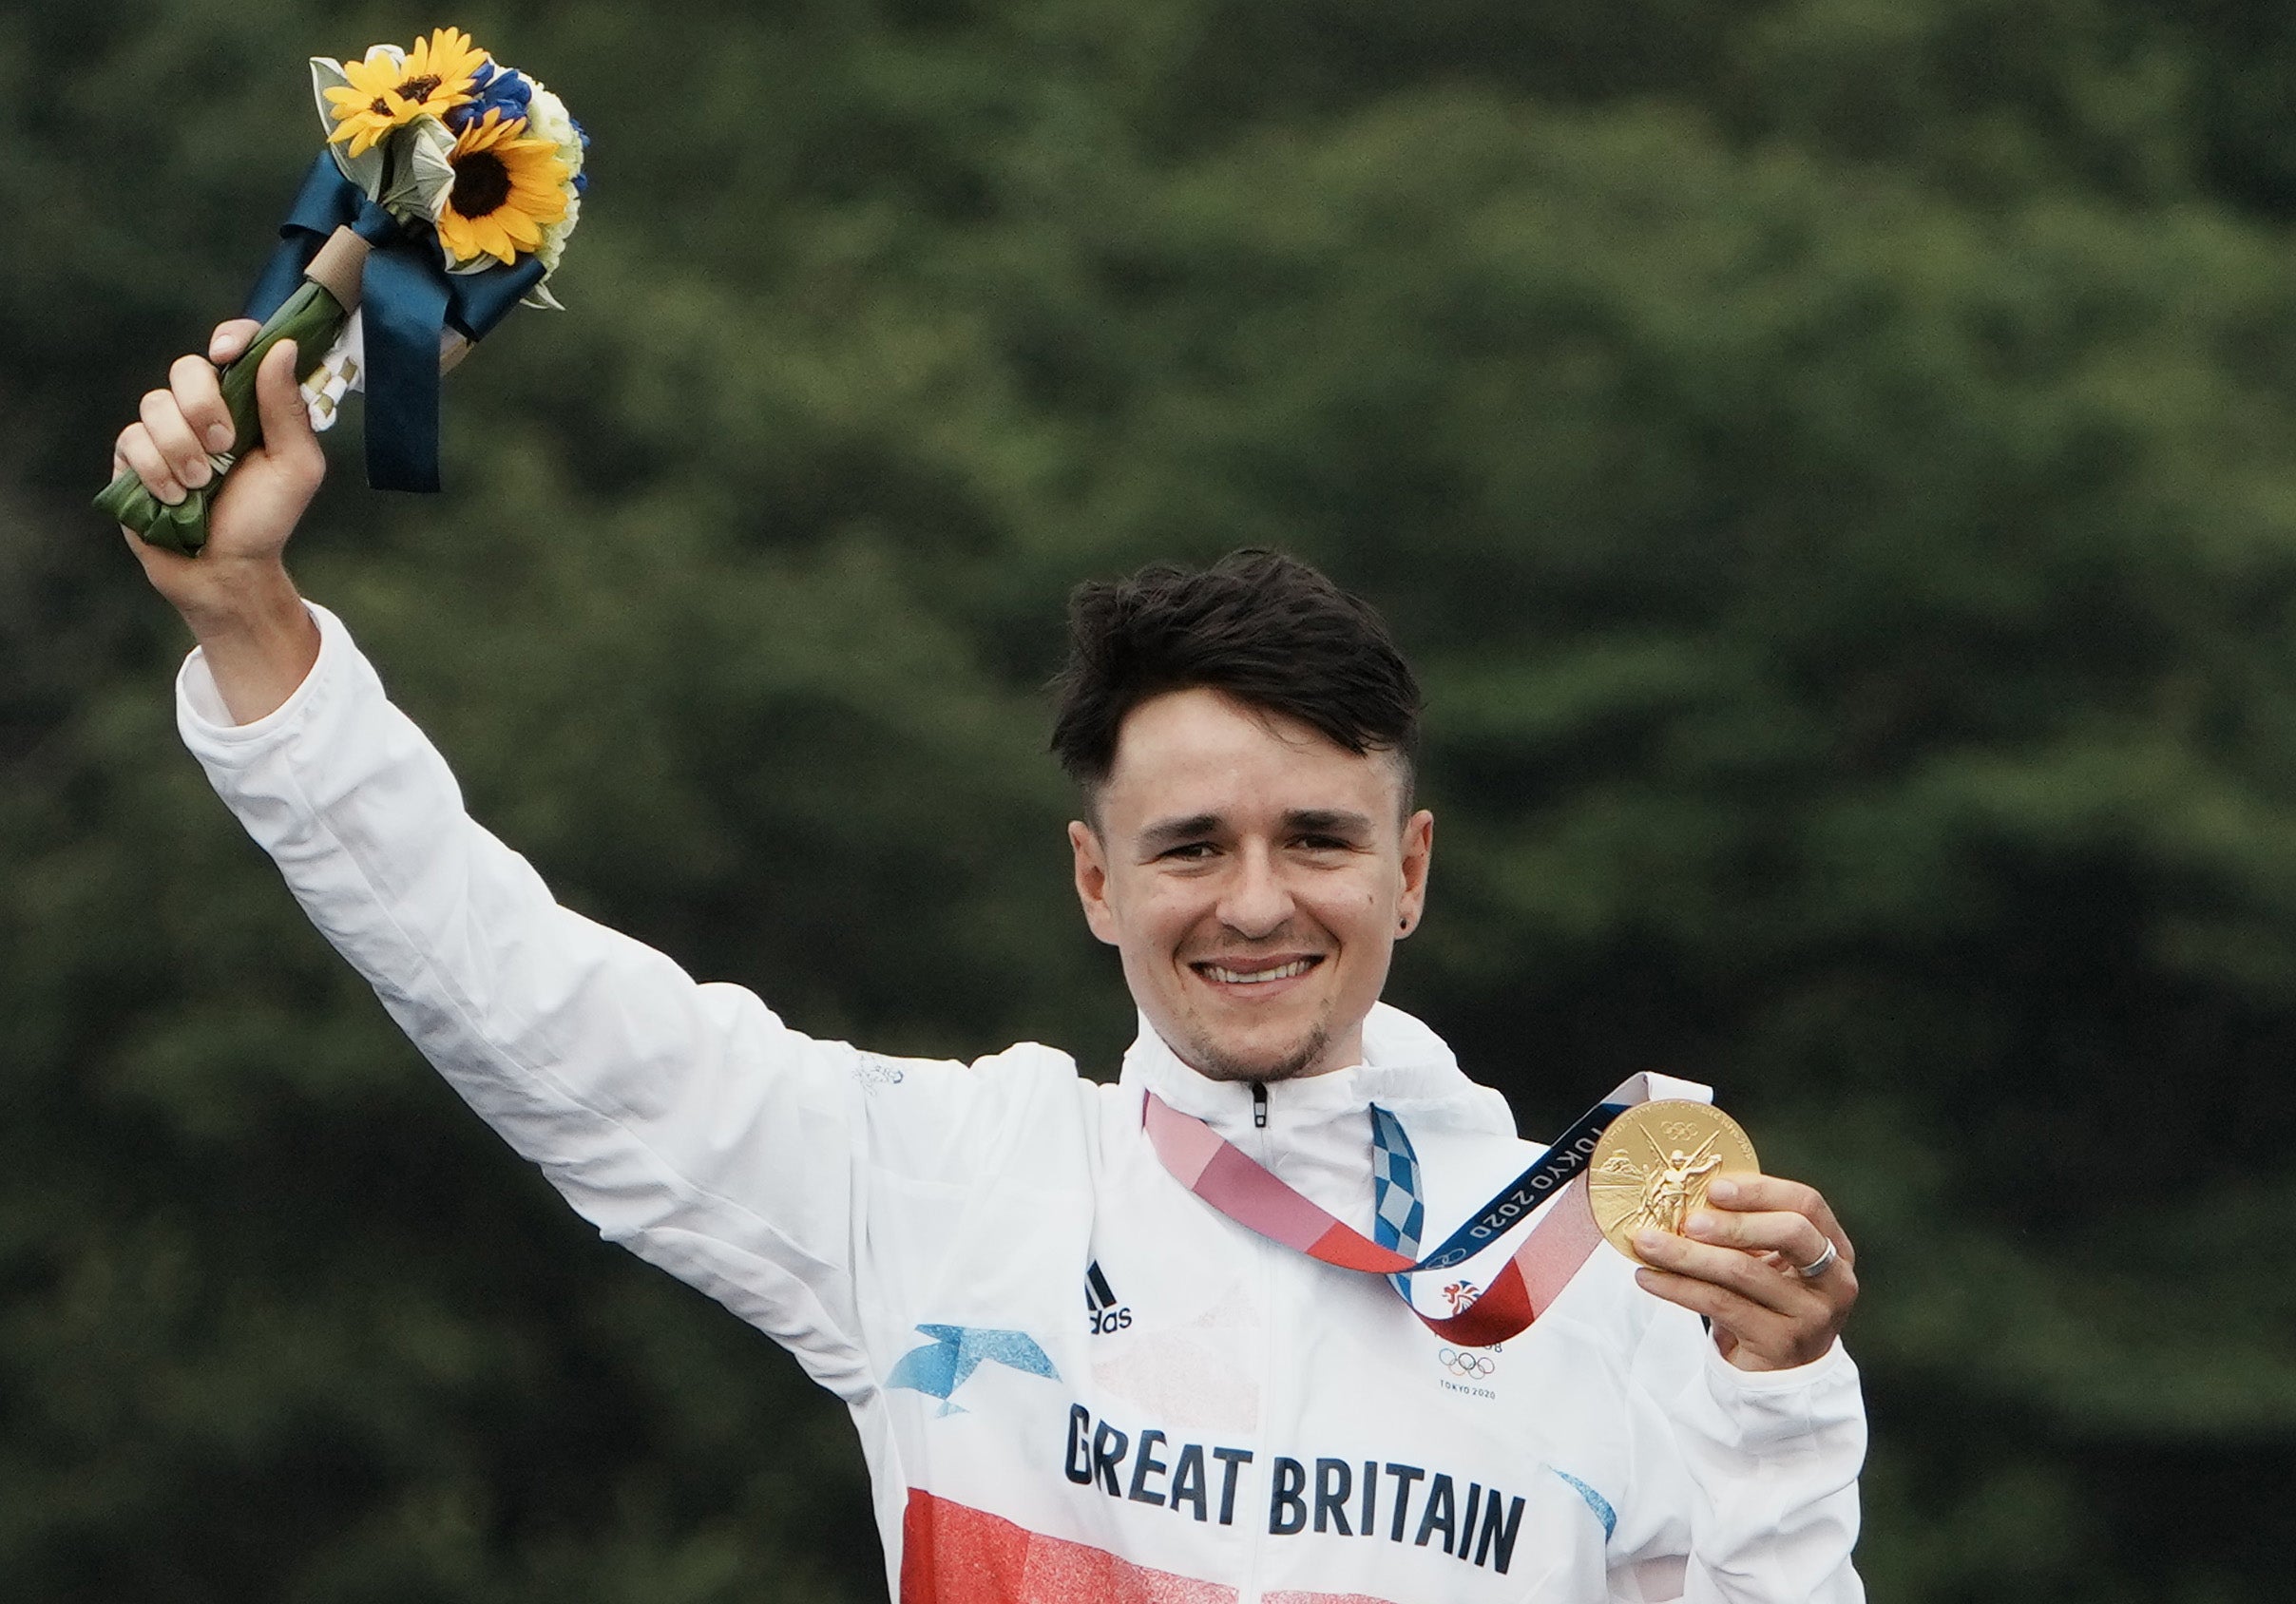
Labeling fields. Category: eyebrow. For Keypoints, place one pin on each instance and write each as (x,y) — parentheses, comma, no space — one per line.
(1171,832)
(1328,821)
(1316,821)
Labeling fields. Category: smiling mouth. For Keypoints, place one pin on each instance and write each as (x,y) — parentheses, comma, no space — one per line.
(1255,976)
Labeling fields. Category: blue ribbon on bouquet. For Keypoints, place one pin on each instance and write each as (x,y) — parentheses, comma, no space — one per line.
(407,299)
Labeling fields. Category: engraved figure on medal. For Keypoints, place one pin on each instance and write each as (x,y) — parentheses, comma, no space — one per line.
(1668,1192)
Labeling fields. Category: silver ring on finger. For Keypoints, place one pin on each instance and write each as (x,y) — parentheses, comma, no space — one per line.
(1820,1264)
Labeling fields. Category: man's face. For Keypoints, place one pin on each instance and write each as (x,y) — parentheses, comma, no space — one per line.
(1255,877)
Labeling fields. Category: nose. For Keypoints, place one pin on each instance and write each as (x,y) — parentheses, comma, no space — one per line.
(1255,903)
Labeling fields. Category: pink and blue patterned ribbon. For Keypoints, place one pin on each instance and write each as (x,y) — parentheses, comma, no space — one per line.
(1550,1253)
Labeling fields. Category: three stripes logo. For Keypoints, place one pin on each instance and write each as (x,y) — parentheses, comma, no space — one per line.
(1101,1304)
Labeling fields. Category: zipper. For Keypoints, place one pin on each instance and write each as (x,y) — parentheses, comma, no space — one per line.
(1271,1274)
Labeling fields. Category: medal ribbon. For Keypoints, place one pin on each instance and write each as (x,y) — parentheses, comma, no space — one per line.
(1241,1188)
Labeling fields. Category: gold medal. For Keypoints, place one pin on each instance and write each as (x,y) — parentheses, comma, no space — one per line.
(1652,1166)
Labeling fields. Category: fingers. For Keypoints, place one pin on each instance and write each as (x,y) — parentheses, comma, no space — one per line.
(193,382)
(287,434)
(172,436)
(1795,1238)
(176,429)
(230,338)
(1752,1277)
(1754,1194)
(134,450)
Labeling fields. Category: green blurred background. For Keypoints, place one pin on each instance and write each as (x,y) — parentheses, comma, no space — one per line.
(1834,462)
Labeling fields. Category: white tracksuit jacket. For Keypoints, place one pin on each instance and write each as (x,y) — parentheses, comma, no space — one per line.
(1072,1378)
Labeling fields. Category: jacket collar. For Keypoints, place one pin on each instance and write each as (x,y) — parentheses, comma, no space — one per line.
(1407,1070)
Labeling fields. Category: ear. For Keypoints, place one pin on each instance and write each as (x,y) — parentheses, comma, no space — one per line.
(1092,880)
(1417,854)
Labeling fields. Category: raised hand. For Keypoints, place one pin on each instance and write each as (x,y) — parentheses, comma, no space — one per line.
(235,593)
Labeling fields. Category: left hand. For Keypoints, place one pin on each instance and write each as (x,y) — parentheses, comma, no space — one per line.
(1739,1265)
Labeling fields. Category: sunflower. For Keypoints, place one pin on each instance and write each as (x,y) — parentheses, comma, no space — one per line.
(388,89)
(507,187)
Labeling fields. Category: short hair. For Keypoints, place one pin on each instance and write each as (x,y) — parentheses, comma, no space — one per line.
(1260,627)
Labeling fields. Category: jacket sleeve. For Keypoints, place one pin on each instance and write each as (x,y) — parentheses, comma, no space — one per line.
(1747,1481)
(685,1120)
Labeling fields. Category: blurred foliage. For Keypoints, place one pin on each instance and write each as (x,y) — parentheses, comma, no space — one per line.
(1830,459)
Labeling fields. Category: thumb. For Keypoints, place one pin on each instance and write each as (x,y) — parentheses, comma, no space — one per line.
(287,434)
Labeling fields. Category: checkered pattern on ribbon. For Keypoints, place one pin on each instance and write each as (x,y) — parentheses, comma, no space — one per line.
(1398,1214)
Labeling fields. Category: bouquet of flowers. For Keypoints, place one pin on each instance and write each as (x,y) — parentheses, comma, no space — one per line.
(444,196)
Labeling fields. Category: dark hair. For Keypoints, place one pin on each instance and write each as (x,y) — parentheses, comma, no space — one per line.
(1262,627)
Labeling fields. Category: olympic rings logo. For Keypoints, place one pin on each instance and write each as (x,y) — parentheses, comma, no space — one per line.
(1468,1363)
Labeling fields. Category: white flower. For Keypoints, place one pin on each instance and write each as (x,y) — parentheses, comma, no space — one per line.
(547,118)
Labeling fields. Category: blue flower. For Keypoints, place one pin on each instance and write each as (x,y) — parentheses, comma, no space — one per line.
(492,88)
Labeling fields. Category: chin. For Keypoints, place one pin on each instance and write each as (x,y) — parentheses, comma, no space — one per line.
(1219,1060)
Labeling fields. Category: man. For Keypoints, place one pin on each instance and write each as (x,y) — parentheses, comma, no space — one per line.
(1224,1417)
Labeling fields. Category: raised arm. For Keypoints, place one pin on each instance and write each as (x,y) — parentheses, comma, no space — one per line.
(685,1120)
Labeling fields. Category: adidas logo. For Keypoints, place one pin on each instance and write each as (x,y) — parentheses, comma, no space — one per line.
(1099,1303)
